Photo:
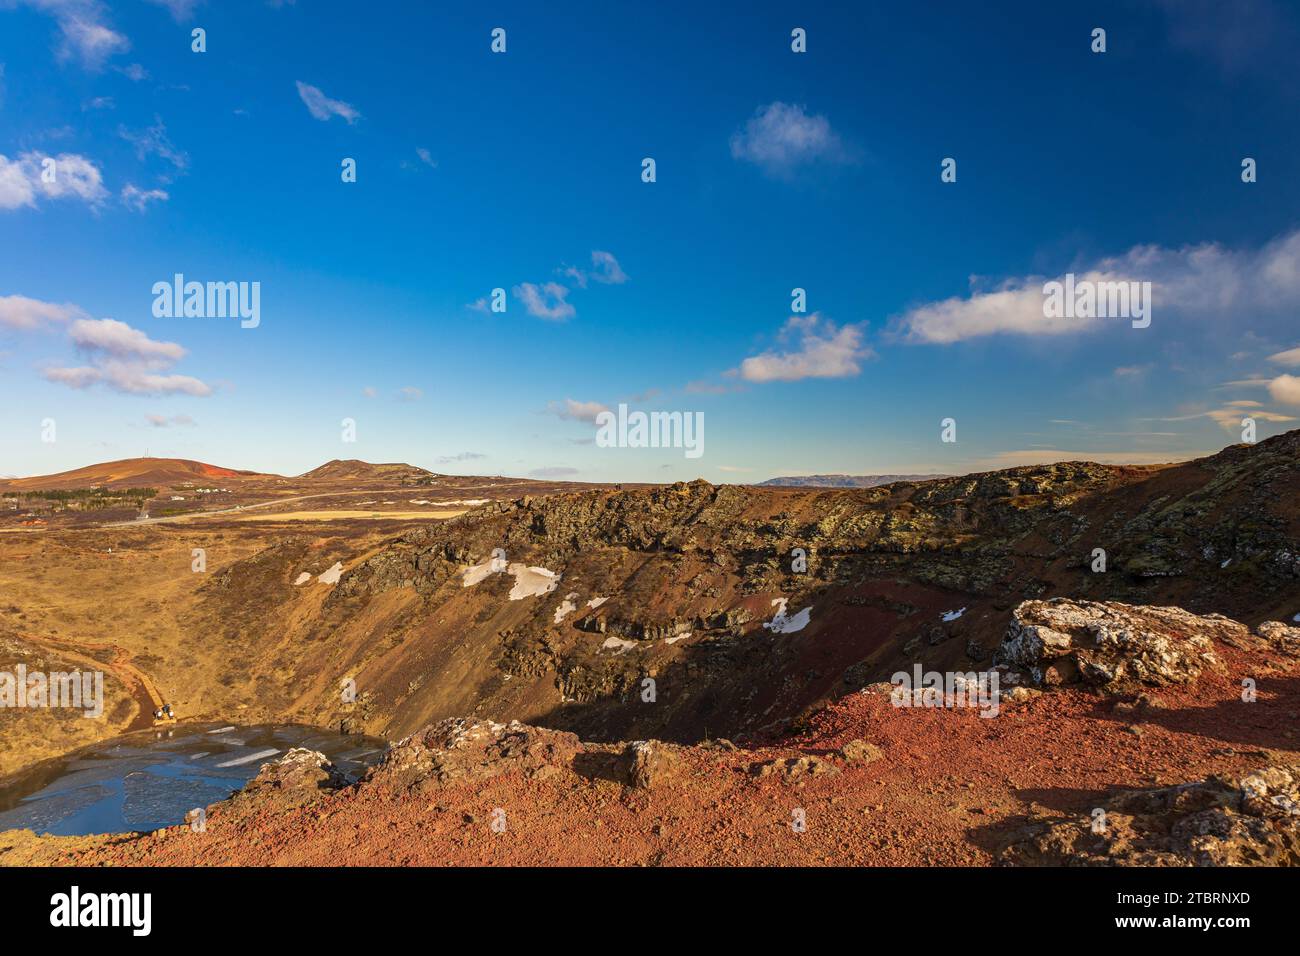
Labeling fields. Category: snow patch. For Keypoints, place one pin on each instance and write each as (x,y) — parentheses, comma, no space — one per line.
(333,574)
(532,581)
(953,615)
(302,578)
(675,639)
(617,642)
(783,624)
(566,607)
(598,601)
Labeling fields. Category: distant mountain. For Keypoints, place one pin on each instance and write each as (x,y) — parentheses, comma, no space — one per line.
(842,481)
(353,469)
(131,473)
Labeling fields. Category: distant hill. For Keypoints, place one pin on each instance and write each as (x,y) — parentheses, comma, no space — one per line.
(354,469)
(130,473)
(842,481)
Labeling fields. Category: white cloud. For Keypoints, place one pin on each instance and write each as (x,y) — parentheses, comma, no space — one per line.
(133,197)
(546,301)
(577,411)
(1291,357)
(426,157)
(781,137)
(128,378)
(1205,280)
(821,350)
(410,393)
(126,360)
(1285,389)
(121,341)
(322,107)
(20,312)
(84,32)
(23,181)
(605,268)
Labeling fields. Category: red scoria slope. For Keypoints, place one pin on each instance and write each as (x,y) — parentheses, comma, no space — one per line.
(875,784)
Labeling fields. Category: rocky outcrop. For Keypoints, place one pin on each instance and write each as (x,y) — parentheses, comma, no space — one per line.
(1247,820)
(652,763)
(1111,645)
(463,748)
(298,777)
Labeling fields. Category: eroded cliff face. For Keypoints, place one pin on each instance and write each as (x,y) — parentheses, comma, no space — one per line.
(693,610)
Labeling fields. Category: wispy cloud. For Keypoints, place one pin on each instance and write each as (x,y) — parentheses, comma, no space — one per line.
(84,33)
(460,457)
(546,301)
(175,421)
(781,137)
(133,197)
(604,269)
(818,349)
(576,411)
(154,141)
(410,393)
(181,10)
(322,107)
(554,472)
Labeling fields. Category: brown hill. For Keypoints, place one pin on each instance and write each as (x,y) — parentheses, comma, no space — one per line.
(354,469)
(130,473)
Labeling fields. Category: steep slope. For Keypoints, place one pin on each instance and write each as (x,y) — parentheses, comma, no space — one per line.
(558,610)
(1186,774)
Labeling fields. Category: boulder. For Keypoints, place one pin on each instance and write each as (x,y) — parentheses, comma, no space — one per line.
(1111,645)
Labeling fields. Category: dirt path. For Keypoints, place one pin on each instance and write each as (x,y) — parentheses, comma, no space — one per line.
(138,684)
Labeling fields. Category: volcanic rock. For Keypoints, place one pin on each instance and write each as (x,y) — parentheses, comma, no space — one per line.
(1112,645)
(1247,820)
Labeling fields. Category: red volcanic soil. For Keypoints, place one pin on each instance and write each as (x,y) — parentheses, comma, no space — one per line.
(129,473)
(949,788)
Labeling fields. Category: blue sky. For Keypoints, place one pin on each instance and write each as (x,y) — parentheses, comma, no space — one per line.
(775,170)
